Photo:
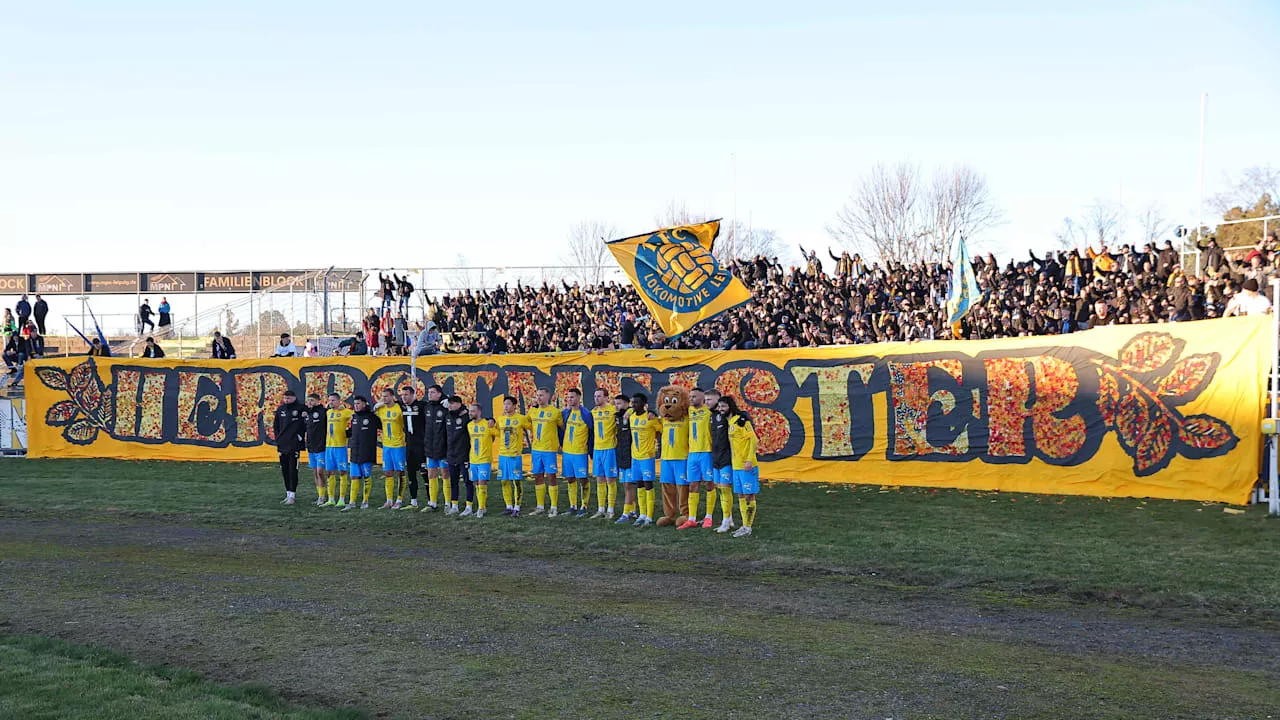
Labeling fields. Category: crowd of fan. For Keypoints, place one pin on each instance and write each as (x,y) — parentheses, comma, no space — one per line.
(23,330)
(858,302)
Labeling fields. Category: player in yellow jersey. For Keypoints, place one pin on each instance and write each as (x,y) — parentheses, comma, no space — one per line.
(645,429)
(604,456)
(700,474)
(746,474)
(512,427)
(545,421)
(394,447)
(482,432)
(335,449)
(577,444)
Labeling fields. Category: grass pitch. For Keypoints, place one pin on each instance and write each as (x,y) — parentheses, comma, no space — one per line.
(849,601)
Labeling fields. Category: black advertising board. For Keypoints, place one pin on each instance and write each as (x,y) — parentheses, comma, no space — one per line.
(14,284)
(171,282)
(281,280)
(112,283)
(235,282)
(341,280)
(60,284)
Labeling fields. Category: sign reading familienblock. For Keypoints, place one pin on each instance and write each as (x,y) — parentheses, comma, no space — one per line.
(1170,411)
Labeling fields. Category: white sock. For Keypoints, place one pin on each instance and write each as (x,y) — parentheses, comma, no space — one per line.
(414,502)
(289,495)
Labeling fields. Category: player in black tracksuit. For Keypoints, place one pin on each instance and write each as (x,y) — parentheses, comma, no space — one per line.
(459,452)
(415,414)
(622,445)
(721,458)
(317,426)
(436,446)
(290,429)
(363,448)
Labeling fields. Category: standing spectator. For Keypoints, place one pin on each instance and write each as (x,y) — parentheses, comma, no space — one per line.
(1166,259)
(40,312)
(386,326)
(10,326)
(144,316)
(1212,258)
(400,333)
(222,347)
(311,349)
(166,317)
(285,348)
(152,350)
(405,289)
(627,333)
(23,308)
(387,291)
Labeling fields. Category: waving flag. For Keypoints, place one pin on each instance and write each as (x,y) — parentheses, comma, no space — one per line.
(964,292)
(677,276)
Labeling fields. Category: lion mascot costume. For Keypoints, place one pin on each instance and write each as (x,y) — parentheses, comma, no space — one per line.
(673,409)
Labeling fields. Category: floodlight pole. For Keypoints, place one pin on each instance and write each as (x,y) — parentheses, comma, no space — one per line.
(1204,102)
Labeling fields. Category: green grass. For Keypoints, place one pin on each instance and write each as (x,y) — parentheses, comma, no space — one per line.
(46,678)
(849,601)
(1181,557)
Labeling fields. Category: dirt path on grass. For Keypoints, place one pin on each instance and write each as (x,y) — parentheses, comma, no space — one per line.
(244,606)
(1081,630)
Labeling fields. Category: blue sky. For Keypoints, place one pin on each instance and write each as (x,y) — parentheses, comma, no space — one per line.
(158,136)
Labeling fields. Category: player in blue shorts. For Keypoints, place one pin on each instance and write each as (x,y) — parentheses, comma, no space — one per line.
(604,455)
(576,442)
(746,474)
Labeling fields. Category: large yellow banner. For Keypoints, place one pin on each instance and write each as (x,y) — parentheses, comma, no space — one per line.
(1170,411)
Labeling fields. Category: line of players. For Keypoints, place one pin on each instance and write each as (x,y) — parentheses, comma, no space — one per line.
(618,441)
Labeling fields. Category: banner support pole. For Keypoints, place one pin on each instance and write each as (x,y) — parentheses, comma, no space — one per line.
(1273,473)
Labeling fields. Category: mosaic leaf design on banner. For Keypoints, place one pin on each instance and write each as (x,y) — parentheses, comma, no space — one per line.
(1188,376)
(89,408)
(52,377)
(81,432)
(1205,432)
(61,413)
(1148,352)
(1141,404)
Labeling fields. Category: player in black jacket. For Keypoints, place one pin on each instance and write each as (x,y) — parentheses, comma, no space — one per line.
(317,422)
(415,414)
(621,405)
(721,459)
(458,455)
(435,446)
(290,430)
(363,448)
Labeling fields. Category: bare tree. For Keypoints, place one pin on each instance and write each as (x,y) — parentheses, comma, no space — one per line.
(677,213)
(885,216)
(958,204)
(1071,235)
(458,277)
(736,241)
(1103,221)
(1246,190)
(588,255)
(1153,222)
(740,242)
